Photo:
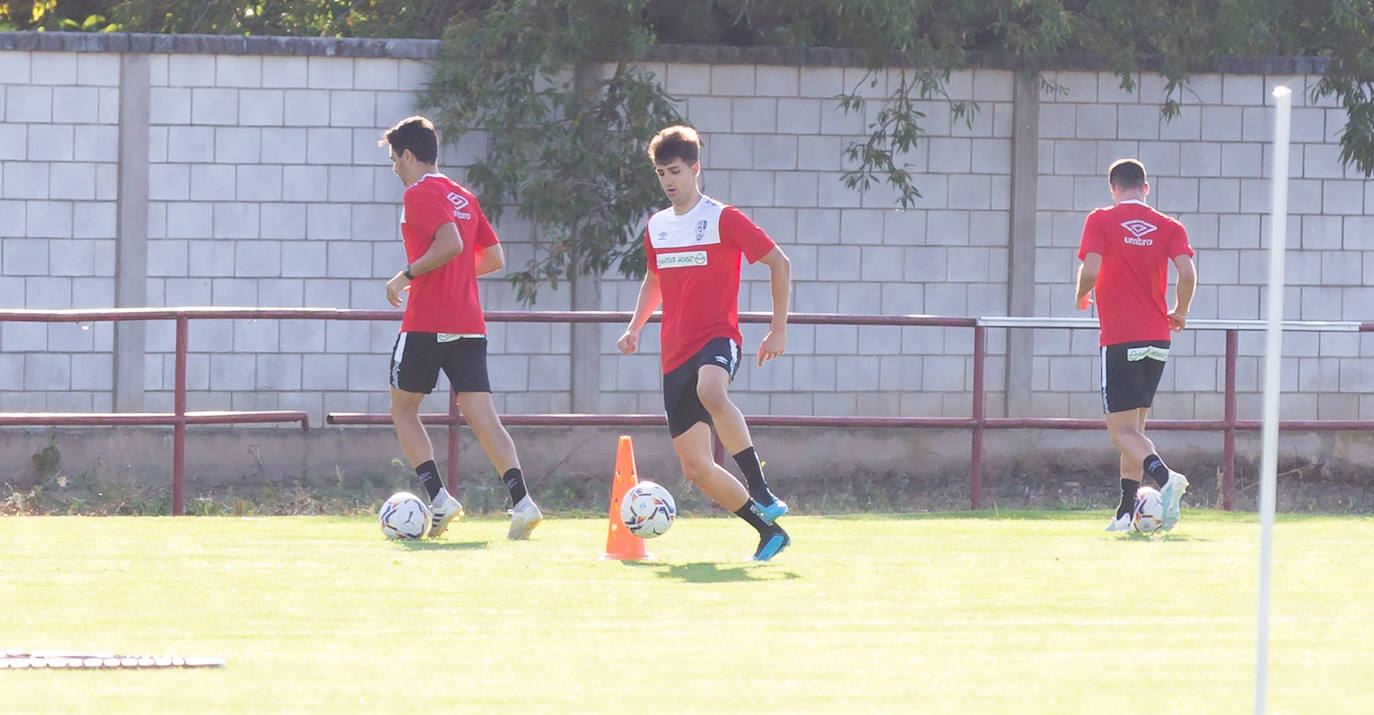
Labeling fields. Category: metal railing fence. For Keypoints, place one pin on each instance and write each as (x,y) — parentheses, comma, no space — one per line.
(978,422)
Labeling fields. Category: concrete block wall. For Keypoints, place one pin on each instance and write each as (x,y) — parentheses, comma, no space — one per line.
(58,192)
(1210,167)
(774,147)
(266,187)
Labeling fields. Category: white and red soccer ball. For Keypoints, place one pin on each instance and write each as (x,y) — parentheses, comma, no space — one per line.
(1148,513)
(648,510)
(404,516)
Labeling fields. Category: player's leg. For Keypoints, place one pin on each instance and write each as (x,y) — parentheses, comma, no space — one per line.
(467,372)
(1131,373)
(480,412)
(414,372)
(1172,484)
(1126,398)
(713,382)
(1130,467)
(481,415)
(693,448)
(405,416)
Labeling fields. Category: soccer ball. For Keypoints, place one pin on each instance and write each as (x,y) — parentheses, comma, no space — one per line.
(647,510)
(404,516)
(1149,510)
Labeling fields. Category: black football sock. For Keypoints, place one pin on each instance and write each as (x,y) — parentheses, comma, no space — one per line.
(430,479)
(515,482)
(1154,466)
(748,462)
(752,514)
(1128,489)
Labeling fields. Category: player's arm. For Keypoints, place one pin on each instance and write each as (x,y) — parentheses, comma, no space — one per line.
(1183,291)
(650,297)
(1087,278)
(447,244)
(490,259)
(780,284)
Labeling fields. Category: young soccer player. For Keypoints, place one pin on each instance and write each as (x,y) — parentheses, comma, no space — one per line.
(448,244)
(1126,250)
(694,248)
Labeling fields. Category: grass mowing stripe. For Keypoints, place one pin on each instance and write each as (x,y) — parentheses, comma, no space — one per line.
(935,613)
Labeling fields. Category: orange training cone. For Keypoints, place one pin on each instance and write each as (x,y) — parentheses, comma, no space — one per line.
(620,543)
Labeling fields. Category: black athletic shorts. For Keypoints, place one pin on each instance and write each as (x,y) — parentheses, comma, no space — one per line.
(1130,374)
(417,359)
(680,398)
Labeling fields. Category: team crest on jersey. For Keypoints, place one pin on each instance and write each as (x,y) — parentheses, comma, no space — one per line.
(459,202)
(701,229)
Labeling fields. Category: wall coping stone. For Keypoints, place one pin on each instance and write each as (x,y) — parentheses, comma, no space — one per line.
(426,49)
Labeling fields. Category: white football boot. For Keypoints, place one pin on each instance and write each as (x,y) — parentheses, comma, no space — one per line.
(443,509)
(1171,495)
(523,518)
(1121,523)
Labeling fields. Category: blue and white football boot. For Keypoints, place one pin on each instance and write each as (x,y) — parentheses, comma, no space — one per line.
(774,511)
(771,543)
(1172,495)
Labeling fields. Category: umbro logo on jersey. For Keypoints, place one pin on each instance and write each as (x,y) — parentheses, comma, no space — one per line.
(460,202)
(1138,227)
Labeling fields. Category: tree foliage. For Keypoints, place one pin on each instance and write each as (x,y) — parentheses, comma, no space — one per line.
(565,139)
(920,41)
(564,134)
(327,18)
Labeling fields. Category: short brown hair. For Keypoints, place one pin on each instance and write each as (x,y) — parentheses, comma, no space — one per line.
(676,142)
(1126,174)
(416,134)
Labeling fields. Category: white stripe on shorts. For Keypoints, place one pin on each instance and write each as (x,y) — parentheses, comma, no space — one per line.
(1104,379)
(396,360)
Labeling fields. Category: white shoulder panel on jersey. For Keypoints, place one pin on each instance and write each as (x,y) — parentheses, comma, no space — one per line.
(698,227)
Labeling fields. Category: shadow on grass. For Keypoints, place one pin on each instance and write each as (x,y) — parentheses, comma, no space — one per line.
(1147,538)
(442,545)
(709,572)
(1046,515)
(985,514)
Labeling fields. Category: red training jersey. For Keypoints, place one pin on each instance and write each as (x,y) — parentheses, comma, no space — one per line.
(444,300)
(1136,243)
(696,257)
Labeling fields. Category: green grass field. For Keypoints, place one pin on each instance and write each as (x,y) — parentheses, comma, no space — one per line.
(1027,612)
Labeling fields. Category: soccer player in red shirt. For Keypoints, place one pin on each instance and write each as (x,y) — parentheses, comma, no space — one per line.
(694,249)
(448,244)
(1126,250)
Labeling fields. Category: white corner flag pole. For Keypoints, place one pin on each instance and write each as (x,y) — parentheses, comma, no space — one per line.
(1273,361)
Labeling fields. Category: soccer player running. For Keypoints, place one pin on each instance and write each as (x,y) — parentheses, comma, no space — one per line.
(1126,249)
(448,244)
(693,249)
